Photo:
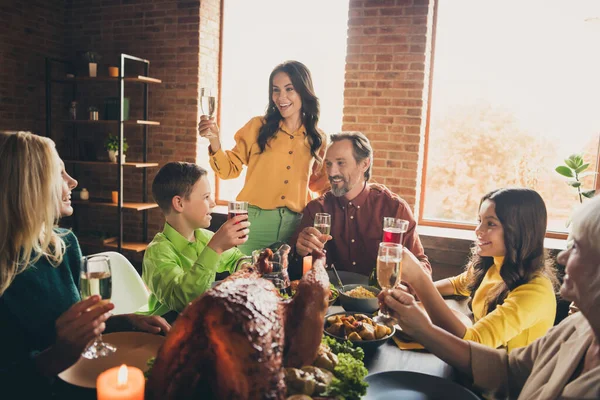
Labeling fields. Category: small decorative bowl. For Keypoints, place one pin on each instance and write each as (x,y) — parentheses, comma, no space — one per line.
(367,345)
(354,304)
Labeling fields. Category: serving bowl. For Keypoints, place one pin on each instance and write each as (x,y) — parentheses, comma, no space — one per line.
(366,345)
(355,304)
(335,294)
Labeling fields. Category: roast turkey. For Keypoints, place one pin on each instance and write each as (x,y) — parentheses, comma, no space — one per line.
(234,341)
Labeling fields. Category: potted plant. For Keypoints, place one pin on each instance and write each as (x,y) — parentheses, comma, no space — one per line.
(112,146)
(574,169)
(92,57)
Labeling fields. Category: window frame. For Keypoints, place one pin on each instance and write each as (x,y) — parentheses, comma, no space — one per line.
(218,200)
(421,220)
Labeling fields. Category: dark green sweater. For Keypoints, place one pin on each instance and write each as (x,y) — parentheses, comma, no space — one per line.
(28,311)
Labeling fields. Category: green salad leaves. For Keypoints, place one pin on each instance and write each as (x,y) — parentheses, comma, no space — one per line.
(350,372)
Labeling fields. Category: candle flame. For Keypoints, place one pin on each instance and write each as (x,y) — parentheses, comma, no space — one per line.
(122,376)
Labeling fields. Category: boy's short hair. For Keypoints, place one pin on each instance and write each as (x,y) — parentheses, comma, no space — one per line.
(175,179)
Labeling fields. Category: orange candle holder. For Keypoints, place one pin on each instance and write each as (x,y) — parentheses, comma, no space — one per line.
(115,197)
(121,383)
(306,264)
(113,71)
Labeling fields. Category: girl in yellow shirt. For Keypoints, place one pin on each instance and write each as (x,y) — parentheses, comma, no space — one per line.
(283,152)
(508,278)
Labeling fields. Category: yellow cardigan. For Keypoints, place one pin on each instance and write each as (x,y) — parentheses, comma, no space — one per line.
(526,314)
(278,177)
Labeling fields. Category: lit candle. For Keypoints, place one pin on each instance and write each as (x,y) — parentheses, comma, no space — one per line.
(306,264)
(121,383)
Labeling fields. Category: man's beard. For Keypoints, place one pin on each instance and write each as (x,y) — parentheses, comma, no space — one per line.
(341,191)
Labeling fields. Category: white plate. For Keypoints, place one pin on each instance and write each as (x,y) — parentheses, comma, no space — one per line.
(133,349)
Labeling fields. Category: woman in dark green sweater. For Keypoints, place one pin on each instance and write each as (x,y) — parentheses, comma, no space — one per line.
(44,324)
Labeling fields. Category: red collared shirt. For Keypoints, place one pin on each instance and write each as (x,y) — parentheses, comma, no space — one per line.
(357,227)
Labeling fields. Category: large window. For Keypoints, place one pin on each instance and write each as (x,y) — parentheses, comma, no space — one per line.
(515,91)
(258,35)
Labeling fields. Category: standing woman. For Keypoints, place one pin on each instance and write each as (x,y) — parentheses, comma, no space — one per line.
(283,152)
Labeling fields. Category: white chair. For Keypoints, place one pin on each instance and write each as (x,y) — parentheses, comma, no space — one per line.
(129,293)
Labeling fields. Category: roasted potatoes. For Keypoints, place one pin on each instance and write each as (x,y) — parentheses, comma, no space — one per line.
(356,327)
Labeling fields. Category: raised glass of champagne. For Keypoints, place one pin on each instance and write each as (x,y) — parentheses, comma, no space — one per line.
(323,223)
(96,279)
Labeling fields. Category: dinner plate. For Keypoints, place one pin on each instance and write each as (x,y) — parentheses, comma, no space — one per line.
(133,349)
(392,385)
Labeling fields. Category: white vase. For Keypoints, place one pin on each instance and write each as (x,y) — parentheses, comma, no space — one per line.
(112,156)
(93,69)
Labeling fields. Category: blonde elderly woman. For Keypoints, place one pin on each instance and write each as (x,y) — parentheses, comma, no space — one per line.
(563,364)
(44,323)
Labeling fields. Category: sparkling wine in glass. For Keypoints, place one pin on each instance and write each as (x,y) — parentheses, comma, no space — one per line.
(236,208)
(208,102)
(389,266)
(323,223)
(394,229)
(96,279)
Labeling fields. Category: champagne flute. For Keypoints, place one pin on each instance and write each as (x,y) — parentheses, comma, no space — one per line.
(96,280)
(323,223)
(208,102)
(389,267)
(394,229)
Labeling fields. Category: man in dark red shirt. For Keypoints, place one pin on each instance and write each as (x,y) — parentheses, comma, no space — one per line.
(357,209)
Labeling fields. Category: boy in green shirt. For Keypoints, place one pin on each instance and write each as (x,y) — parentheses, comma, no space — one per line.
(181,261)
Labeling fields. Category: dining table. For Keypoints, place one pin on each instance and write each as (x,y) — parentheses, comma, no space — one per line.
(389,357)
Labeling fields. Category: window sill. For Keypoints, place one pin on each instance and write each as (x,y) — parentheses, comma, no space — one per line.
(465,235)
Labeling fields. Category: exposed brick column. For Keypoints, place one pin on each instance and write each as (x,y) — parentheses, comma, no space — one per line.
(384,89)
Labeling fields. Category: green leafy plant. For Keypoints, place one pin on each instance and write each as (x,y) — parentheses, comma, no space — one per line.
(574,169)
(112,143)
(92,56)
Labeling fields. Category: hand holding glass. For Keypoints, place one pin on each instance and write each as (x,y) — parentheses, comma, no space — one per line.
(96,280)
(389,266)
(323,223)
(394,229)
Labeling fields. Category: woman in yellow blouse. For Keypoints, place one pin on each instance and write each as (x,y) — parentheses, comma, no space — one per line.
(508,278)
(283,153)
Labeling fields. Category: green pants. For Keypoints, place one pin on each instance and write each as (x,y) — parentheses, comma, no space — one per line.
(269,226)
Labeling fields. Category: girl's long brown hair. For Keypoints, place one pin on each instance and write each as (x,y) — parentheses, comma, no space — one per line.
(30,196)
(523,216)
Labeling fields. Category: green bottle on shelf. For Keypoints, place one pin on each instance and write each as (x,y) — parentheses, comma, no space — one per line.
(373,279)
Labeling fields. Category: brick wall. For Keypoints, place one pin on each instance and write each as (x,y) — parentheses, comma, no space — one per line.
(385,86)
(29,31)
(167,33)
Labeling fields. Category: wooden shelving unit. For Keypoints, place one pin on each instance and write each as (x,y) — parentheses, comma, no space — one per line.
(106,163)
(115,241)
(109,122)
(109,203)
(107,79)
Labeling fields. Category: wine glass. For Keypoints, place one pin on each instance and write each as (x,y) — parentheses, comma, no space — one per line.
(394,229)
(323,223)
(96,280)
(389,267)
(208,102)
(236,208)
